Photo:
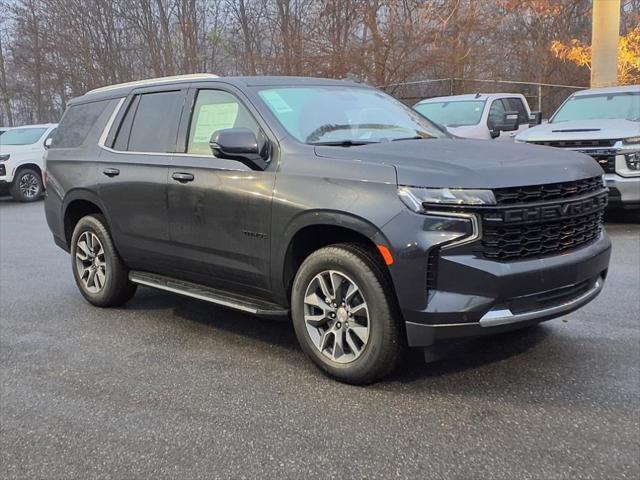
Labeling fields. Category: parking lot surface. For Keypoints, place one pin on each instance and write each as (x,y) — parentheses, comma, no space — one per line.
(169,387)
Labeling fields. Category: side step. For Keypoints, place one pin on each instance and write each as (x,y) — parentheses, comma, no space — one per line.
(251,305)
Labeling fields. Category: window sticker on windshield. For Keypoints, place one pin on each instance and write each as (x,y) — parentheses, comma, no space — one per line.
(214,117)
(276,101)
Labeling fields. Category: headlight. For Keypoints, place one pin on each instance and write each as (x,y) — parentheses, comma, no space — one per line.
(415,197)
(4,158)
(631,141)
(633,161)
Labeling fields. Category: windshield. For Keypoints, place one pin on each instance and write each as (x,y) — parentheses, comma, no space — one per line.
(345,115)
(624,105)
(21,136)
(453,114)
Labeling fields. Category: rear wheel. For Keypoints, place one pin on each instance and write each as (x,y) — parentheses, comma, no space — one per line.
(345,315)
(100,273)
(27,185)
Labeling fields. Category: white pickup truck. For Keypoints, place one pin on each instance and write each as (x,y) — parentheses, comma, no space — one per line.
(605,124)
(499,116)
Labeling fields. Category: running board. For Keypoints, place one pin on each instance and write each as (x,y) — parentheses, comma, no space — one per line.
(254,306)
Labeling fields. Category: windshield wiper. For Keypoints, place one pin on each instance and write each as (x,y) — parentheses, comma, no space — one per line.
(415,137)
(344,143)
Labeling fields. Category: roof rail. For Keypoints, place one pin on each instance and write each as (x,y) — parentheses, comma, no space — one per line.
(152,81)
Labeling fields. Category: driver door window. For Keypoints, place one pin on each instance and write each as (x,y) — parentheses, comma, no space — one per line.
(216,110)
(496,114)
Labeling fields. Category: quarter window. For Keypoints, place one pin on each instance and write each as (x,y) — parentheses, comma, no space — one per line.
(216,110)
(76,124)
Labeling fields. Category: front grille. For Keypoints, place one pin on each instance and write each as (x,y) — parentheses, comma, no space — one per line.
(551,191)
(507,242)
(607,162)
(576,143)
(542,220)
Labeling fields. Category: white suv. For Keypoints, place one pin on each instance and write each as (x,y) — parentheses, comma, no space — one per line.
(21,160)
(605,124)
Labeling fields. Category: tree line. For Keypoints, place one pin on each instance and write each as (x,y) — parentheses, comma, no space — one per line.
(54,50)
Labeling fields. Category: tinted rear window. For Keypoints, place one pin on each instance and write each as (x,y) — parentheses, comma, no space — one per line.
(77,123)
(155,122)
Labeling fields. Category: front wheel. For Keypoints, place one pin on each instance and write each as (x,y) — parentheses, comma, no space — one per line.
(345,314)
(27,185)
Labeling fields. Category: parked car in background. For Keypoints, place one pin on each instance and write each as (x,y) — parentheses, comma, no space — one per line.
(21,160)
(605,124)
(327,200)
(483,116)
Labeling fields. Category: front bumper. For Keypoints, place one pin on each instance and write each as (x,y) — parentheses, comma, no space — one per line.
(624,192)
(474,295)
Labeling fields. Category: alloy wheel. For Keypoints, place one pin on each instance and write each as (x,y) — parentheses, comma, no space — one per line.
(336,316)
(29,185)
(90,262)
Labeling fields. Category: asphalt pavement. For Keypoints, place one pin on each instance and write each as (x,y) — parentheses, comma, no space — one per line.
(169,387)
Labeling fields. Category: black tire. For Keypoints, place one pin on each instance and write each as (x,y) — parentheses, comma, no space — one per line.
(27,185)
(386,343)
(116,288)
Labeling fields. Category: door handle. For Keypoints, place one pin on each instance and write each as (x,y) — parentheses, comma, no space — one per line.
(111,172)
(182,177)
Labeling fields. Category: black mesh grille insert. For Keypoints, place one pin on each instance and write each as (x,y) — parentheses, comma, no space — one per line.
(607,162)
(505,242)
(548,192)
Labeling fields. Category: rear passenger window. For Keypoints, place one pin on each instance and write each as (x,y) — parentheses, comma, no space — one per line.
(155,123)
(216,110)
(77,123)
(516,105)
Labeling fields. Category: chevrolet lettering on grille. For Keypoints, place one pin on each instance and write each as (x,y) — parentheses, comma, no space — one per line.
(548,212)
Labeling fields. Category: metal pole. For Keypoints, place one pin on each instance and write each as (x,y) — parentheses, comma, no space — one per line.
(605,31)
(539,97)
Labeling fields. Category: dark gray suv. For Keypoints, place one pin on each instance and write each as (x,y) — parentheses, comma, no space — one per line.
(326,201)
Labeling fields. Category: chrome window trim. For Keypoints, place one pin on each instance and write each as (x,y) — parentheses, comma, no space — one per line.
(107,127)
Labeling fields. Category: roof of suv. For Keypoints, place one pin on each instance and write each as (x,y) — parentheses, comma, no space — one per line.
(122,89)
(38,125)
(605,90)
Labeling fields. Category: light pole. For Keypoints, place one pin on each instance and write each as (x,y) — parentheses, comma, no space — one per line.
(605,31)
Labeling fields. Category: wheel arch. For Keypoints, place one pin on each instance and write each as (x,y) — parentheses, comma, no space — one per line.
(77,204)
(32,165)
(314,230)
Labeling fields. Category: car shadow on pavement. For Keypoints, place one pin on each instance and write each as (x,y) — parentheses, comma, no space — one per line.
(457,356)
(269,331)
(451,357)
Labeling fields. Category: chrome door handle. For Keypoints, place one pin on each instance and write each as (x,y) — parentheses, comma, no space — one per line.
(182,177)
(111,172)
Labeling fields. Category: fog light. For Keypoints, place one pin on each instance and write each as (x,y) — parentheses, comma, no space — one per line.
(633,161)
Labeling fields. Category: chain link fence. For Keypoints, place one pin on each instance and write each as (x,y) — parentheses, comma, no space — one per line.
(541,96)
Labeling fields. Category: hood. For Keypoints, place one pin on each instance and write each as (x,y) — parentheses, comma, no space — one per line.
(603,129)
(469,131)
(470,163)
(14,149)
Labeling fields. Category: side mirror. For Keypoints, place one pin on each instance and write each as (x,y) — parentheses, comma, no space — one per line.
(509,123)
(239,144)
(48,142)
(535,118)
